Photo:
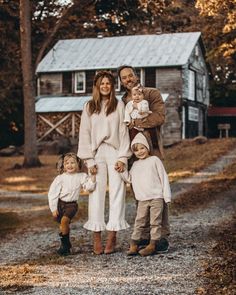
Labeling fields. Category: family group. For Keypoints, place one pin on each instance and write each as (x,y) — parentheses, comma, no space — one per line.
(119,142)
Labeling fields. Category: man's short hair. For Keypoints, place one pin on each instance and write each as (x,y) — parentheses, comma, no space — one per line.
(126,67)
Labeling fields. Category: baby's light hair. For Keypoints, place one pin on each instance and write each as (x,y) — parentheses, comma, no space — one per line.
(138,88)
(63,157)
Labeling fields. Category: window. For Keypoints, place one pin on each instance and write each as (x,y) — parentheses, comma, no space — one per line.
(142,77)
(117,79)
(50,84)
(193,114)
(140,73)
(80,82)
(204,86)
(117,83)
(183,122)
(191,85)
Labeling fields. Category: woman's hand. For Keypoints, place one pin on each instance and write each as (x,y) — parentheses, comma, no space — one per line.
(120,166)
(93,170)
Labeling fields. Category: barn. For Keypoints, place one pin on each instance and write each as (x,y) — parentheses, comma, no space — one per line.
(174,63)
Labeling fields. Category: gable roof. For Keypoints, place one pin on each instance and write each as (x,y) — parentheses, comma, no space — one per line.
(112,52)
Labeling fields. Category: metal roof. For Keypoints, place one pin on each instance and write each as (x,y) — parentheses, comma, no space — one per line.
(54,104)
(111,52)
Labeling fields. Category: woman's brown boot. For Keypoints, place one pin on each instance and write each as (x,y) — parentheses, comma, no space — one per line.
(111,242)
(97,243)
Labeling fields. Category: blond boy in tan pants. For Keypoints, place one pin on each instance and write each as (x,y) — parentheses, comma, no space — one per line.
(152,191)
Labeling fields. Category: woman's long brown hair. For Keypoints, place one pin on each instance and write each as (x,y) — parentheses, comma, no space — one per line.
(95,104)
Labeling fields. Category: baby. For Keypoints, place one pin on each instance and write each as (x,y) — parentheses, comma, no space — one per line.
(137,108)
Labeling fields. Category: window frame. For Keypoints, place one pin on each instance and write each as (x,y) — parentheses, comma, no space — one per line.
(118,84)
(193,114)
(192,85)
(76,80)
(142,76)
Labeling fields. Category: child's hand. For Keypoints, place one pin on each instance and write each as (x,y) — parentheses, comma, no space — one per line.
(55,214)
(119,166)
(135,105)
(93,170)
(93,177)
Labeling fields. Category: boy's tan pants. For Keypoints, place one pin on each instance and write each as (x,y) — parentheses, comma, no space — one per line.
(153,209)
(165,226)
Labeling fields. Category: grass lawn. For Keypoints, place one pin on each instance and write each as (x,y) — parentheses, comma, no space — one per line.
(181,160)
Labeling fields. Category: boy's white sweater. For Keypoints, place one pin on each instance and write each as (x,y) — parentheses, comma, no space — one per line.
(67,187)
(149,179)
(98,128)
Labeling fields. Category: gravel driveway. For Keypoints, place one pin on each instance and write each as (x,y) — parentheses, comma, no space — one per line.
(29,265)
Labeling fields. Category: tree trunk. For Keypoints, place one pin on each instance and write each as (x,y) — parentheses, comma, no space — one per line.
(30,141)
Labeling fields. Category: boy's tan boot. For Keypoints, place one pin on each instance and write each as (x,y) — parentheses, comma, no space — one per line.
(133,249)
(149,250)
(97,243)
(111,242)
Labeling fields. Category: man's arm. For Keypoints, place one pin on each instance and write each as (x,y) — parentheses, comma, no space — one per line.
(157,106)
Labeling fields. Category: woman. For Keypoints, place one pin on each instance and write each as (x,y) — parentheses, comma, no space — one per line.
(104,145)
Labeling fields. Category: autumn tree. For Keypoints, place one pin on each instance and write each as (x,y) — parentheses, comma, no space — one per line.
(219,29)
(30,142)
(11,106)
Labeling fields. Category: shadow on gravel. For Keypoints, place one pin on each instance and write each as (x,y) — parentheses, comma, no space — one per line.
(12,289)
(49,259)
(9,221)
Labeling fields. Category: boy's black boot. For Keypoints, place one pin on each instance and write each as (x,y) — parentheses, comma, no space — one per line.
(65,245)
(162,246)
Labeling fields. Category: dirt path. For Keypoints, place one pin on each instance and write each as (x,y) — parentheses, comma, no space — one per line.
(28,264)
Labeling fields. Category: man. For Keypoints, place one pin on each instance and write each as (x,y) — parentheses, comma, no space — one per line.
(151,125)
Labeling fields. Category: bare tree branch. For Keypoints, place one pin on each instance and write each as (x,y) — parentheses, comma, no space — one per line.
(67,11)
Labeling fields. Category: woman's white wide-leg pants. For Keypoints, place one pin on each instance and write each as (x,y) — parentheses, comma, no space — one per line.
(105,158)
